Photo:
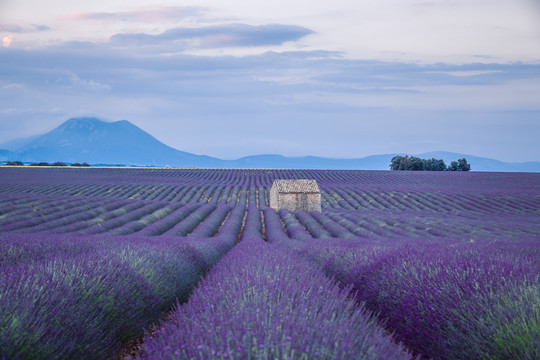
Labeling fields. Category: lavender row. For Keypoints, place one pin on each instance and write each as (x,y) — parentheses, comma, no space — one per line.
(162,226)
(146,220)
(294,229)
(186,193)
(125,217)
(418,224)
(210,226)
(12,205)
(22,207)
(446,299)
(156,218)
(124,207)
(423,224)
(264,178)
(487,193)
(263,302)
(191,221)
(77,216)
(84,297)
(336,198)
(58,213)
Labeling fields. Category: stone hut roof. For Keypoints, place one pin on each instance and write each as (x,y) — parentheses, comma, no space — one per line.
(296,186)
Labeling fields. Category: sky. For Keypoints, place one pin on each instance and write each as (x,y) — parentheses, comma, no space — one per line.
(341,78)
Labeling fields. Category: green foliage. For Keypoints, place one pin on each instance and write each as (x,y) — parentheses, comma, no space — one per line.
(414,163)
(407,163)
(80,164)
(460,165)
(434,165)
(14,163)
(463,165)
(42,163)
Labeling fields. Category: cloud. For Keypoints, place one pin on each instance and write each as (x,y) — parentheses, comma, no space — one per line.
(14,86)
(147,14)
(41,27)
(7,40)
(11,28)
(228,35)
(72,80)
(466,73)
(199,103)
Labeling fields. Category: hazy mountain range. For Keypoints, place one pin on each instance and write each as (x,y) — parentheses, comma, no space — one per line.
(122,143)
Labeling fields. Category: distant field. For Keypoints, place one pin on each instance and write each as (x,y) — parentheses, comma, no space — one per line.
(447,262)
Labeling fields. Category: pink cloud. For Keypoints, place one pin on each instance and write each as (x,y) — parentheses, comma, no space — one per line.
(143,14)
(7,40)
(102,17)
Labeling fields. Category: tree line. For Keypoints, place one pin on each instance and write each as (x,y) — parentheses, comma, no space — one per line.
(58,163)
(417,164)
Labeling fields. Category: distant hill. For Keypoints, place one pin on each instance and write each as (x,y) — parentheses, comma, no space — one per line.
(483,164)
(98,142)
(374,162)
(110,143)
(378,162)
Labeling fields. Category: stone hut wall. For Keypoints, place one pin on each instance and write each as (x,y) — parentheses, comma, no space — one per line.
(295,195)
(299,201)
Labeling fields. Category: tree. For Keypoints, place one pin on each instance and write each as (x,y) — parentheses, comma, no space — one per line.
(460,165)
(415,164)
(398,162)
(14,163)
(463,165)
(407,163)
(434,165)
(58,163)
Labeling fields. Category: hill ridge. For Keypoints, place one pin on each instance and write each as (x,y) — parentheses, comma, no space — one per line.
(92,140)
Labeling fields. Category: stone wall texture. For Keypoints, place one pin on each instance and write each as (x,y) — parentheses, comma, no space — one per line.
(295,195)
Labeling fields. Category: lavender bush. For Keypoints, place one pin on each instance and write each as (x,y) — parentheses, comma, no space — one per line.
(212,223)
(445,262)
(84,297)
(438,296)
(276,306)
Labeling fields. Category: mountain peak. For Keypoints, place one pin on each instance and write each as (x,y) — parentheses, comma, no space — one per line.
(83,120)
(96,141)
(81,124)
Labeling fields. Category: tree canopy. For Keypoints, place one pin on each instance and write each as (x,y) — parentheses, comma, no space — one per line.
(460,165)
(414,163)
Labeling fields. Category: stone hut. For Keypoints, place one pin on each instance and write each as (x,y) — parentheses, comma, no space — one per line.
(295,195)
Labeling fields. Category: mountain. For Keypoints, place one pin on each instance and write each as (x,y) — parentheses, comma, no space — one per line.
(109,143)
(374,162)
(98,142)
(483,164)
(378,162)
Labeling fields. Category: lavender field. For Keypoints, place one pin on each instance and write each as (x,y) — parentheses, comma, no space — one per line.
(194,264)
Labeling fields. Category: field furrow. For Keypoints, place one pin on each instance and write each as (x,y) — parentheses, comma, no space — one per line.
(400,264)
